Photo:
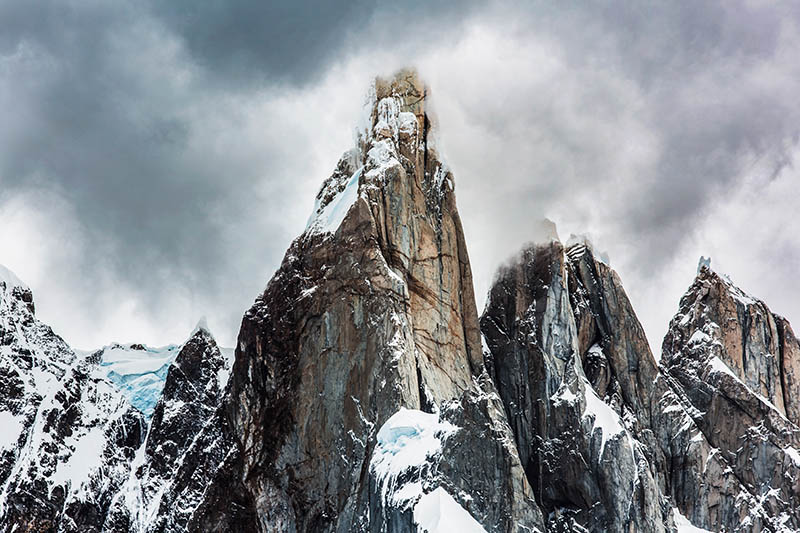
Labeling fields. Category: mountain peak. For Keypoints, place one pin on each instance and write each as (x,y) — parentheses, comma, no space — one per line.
(724,327)
(394,148)
(397,110)
(703,262)
(405,83)
(10,279)
(202,325)
(16,289)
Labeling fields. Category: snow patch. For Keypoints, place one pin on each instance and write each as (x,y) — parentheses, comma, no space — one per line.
(684,526)
(224,373)
(380,156)
(715,364)
(603,416)
(407,123)
(438,512)
(77,469)
(407,441)
(563,394)
(10,279)
(699,337)
(718,365)
(794,454)
(10,429)
(331,216)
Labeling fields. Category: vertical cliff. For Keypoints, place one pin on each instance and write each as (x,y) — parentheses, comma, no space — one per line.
(372,311)
(574,371)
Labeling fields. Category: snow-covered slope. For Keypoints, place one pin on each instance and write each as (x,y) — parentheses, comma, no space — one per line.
(75,455)
(68,433)
(32,361)
(191,393)
(71,422)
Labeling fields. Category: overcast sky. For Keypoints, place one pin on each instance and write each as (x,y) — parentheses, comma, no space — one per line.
(156,162)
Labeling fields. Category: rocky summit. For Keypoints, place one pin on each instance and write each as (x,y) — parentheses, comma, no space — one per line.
(366,394)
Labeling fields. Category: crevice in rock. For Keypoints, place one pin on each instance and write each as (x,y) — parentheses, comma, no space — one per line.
(425,403)
(779,327)
(745,320)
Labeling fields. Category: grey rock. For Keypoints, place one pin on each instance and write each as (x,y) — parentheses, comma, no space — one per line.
(731,362)
(572,367)
(190,397)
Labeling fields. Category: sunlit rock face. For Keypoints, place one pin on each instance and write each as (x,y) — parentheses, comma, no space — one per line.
(371,311)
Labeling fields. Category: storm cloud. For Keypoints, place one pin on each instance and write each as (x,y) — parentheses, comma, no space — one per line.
(156,159)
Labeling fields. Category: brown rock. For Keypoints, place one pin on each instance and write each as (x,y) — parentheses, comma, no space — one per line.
(371,310)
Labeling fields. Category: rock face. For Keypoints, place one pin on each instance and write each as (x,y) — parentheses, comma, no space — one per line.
(371,311)
(733,365)
(609,440)
(191,394)
(72,434)
(574,371)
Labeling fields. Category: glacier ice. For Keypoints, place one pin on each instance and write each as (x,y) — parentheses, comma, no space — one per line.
(139,371)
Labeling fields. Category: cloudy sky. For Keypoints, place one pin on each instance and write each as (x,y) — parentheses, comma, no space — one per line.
(156,162)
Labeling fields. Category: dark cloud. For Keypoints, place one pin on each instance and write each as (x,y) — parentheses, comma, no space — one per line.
(243,41)
(266,41)
(713,83)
